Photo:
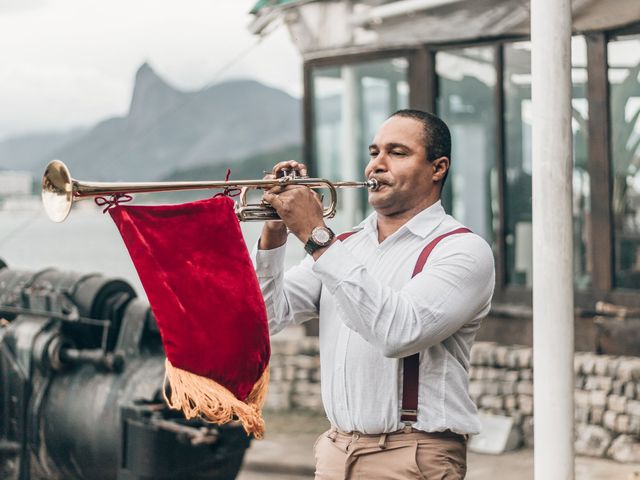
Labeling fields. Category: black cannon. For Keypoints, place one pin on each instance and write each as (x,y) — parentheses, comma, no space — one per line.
(81,374)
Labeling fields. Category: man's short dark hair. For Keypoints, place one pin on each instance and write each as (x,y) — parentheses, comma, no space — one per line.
(437,138)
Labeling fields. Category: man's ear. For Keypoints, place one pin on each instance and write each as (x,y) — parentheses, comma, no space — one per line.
(440,167)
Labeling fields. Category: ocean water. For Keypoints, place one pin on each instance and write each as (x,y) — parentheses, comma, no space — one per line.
(86,242)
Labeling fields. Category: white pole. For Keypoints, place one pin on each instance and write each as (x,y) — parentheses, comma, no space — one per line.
(349,165)
(552,239)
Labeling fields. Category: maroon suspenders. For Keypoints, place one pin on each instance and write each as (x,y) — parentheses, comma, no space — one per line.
(411,364)
(345,235)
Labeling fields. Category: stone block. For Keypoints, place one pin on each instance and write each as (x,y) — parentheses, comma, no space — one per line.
(284,347)
(613,364)
(581,398)
(598,398)
(588,363)
(527,431)
(511,375)
(595,415)
(609,420)
(307,362)
(481,373)
(581,414)
(626,449)
(601,366)
(524,387)
(594,382)
(520,357)
(307,402)
(309,345)
(526,374)
(623,424)
(634,426)
(476,388)
(302,374)
(525,404)
(314,375)
(578,382)
(617,403)
(510,403)
(500,354)
(617,387)
(277,401)
(630,390)
(628,369)
(473,372)
(592,440)
(491,388)
(276,374)
(507,387)
(307,388)
(481,353)
(578,359)
(494,402)
(633,407)
(289,373)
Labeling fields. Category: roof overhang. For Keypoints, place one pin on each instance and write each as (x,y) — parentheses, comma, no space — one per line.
(332,27)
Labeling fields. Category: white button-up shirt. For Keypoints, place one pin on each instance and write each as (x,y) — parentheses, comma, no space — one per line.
(372,313)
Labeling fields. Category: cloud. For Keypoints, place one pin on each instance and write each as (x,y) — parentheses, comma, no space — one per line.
(11,6)
(72,62)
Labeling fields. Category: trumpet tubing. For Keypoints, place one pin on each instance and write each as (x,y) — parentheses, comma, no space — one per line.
(60,191)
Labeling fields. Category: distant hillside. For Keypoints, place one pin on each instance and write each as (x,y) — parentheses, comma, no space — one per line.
(167,130)
(25,152)
(250,168)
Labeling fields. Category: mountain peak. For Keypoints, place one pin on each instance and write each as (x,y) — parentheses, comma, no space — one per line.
(150,94)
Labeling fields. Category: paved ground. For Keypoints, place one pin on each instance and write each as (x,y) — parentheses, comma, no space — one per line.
(286,454)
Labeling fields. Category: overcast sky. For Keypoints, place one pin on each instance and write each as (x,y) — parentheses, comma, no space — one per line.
(66,63)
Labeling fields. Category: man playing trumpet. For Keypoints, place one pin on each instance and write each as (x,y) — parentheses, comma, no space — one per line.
(411,280)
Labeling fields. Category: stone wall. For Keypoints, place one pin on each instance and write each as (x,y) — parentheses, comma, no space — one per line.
(607,392)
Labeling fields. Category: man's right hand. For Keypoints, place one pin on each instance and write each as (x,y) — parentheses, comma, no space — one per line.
(274,232)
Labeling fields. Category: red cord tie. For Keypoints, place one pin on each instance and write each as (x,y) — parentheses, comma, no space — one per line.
(228,191)
(112,200)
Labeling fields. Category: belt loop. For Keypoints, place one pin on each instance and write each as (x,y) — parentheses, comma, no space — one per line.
(333,433)
(382,443)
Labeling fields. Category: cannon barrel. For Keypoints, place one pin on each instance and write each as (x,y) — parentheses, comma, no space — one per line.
(81,373)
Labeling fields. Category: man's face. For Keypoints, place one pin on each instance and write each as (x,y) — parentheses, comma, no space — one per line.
(398,161)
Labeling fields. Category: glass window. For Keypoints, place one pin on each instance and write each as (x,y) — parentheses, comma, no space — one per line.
(624,80)
(517,118)
(349,104)
(466,102)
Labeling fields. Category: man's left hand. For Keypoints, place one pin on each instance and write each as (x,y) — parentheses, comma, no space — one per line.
(299,207)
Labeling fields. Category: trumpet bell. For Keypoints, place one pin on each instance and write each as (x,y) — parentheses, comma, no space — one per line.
(57,191)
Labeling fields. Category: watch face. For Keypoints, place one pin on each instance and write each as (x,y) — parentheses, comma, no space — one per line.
(320,235)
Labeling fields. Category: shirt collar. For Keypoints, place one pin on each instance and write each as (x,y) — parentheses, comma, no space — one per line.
(422,224)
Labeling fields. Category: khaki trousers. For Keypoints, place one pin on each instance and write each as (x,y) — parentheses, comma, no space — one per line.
(403,455)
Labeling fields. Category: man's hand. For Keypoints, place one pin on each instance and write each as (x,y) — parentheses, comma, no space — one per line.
(299,208)
(274,233)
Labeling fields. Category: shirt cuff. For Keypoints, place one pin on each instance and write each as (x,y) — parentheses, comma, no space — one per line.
(268,263)
(334,266)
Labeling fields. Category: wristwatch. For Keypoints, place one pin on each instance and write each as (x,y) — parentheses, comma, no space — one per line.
(320,238)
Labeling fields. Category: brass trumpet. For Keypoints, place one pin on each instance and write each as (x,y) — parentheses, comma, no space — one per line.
(60,191)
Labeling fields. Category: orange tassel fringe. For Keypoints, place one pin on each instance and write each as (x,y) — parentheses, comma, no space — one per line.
(201,397)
